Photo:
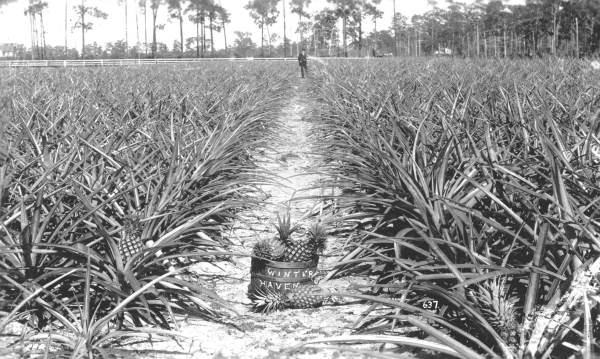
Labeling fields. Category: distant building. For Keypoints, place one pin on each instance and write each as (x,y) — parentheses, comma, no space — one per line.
(443,51)
(8,50)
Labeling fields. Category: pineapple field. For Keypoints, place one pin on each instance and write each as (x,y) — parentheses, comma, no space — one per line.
(395,208)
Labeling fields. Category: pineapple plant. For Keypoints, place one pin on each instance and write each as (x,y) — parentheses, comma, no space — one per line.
(498,307)
(305,250)
(301,297)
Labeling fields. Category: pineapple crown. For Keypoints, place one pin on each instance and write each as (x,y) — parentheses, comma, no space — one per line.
(318,234)
(284,226)
(268,248)
(132,220)
(267,300)
(259,247)
(132,224)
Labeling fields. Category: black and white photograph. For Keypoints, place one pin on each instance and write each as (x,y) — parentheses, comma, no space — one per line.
(302,179)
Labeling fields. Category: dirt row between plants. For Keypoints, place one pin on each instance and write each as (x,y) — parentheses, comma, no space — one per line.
(292,163)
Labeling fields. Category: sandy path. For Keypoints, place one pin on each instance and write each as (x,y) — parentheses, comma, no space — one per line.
(291,161)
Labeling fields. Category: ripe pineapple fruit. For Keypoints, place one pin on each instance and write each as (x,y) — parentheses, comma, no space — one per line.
(270,248)
(301,297)
(131,239)
(306,250)
(300,251)
(307,296)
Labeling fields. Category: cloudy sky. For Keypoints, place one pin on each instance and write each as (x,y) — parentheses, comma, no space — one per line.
(15,27)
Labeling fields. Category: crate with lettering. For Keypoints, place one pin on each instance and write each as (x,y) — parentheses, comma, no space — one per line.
(281,276)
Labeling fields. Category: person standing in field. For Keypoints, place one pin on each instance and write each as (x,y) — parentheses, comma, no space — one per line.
(302,62)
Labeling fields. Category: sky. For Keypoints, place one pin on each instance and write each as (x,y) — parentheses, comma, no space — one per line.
(15,26)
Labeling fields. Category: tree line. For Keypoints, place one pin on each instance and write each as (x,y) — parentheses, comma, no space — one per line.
(480,28)
(208,16)
(491,28)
